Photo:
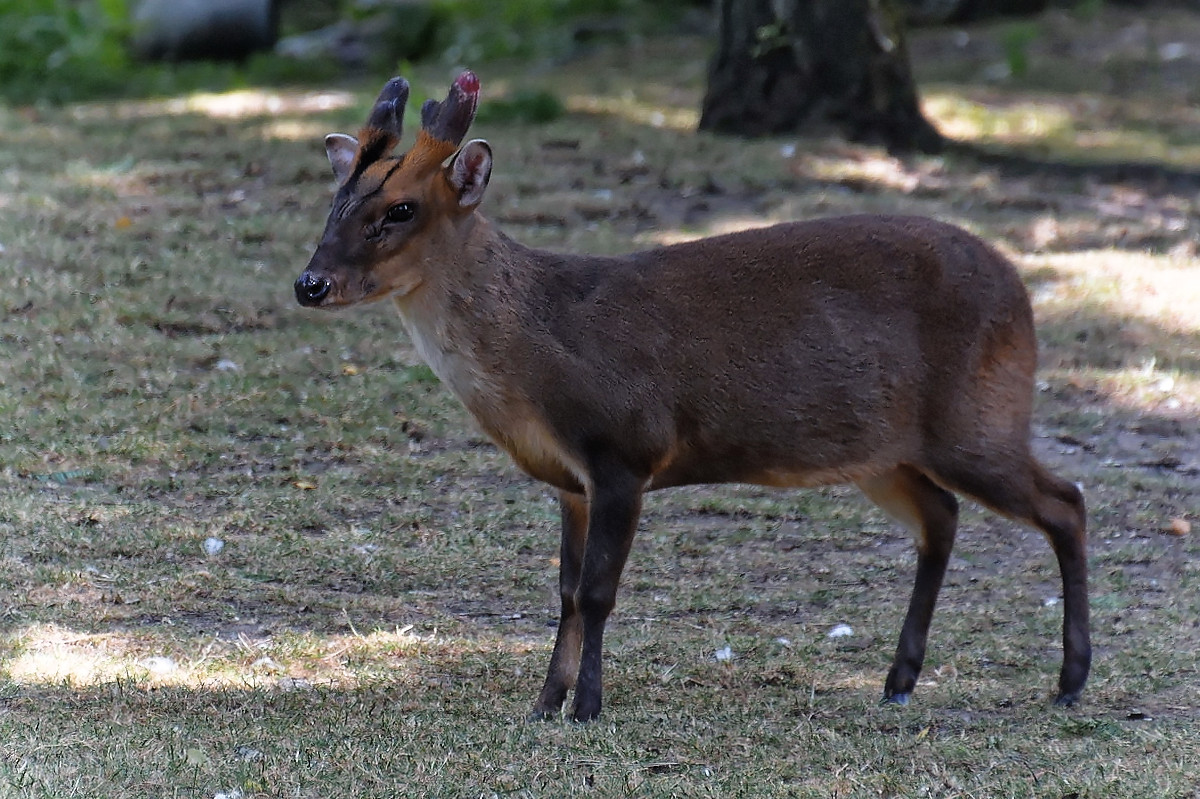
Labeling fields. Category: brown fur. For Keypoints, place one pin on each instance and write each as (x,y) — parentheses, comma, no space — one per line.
(896,353)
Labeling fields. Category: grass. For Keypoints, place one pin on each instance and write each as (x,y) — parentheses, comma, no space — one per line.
(378,616)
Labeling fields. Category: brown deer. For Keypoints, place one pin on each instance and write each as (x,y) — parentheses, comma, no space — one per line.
(894,353)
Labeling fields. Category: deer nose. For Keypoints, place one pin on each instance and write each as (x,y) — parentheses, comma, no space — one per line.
(310,289)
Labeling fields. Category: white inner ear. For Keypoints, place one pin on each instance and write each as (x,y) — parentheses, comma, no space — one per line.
(341,150)
(470,172)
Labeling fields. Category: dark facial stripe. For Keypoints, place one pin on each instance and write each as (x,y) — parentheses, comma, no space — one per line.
(374,147)
(354,197)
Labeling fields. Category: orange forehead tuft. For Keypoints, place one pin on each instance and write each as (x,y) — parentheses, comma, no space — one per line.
(428,152)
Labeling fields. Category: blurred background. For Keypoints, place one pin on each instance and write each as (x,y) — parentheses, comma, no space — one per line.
(70,50)
(60,50)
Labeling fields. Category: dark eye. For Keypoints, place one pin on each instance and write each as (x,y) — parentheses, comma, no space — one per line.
(401,212)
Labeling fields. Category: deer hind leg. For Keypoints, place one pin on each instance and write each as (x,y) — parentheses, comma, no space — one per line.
(564,662)
(931,514)
(1028,493)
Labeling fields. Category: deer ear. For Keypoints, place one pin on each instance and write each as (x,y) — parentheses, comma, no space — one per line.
(341,150)
(470,171)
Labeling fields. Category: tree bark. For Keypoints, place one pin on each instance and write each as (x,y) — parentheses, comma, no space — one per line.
(814,66)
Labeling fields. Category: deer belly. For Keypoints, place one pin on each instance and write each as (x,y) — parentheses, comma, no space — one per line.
(538,454)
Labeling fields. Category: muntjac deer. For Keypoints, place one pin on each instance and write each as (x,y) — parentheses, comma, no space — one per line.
(894,353)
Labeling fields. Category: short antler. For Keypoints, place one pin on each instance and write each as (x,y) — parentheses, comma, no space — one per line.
(448,120)
(380,135)
(388,114)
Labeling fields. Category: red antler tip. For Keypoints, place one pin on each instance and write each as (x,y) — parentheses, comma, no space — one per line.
(468,82)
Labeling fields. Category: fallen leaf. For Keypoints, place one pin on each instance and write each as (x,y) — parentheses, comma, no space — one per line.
(304,485)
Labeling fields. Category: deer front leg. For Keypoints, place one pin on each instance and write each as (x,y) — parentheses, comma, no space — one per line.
(564,662)
(615,503)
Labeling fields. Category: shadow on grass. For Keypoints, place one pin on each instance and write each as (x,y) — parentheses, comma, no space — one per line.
(1155,177)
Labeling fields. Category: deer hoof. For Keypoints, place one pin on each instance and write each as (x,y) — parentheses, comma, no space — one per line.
(583,713)
(1066,699)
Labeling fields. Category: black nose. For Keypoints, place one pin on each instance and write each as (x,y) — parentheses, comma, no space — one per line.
(310,289)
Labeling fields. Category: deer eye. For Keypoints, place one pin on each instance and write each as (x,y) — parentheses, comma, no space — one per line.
(401,212)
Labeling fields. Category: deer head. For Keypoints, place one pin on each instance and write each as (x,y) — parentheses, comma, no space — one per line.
(394,217)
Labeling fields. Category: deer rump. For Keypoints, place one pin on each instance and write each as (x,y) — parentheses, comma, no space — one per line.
(894,353)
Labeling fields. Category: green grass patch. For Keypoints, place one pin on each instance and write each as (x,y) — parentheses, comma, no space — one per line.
(376,613)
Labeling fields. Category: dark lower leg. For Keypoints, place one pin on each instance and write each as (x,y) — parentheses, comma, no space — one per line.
(1036,497)
(931,514)
(612,520)
(564,662)
(1077,647)
(1063,517)
(910,651)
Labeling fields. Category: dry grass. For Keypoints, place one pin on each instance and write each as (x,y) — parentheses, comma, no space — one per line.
(376,621)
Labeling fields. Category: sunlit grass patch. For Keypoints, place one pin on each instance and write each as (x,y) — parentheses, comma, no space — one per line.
(249,548)
(627,107)
(1064,125)
(1124,322)
(1030,122)
(174,654)
(1163,290)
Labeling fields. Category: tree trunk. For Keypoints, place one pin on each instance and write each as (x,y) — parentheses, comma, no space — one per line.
(811,66)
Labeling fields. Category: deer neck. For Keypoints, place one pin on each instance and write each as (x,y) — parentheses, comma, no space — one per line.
(461,317)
